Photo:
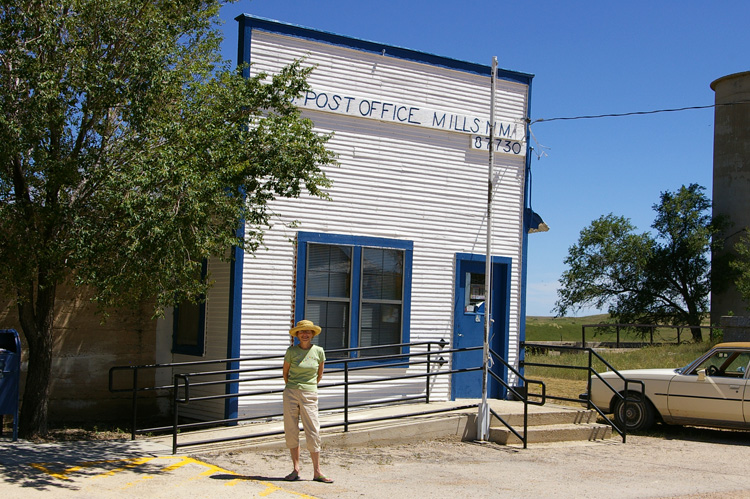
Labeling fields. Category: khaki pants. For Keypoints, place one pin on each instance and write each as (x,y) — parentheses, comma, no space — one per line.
(301,404)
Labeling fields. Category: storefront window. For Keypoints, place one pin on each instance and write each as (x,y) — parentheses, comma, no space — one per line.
(357,290)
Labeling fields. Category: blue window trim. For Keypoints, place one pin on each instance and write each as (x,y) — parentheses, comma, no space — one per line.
(200,349)
(357,243)
(247,23)
(231,404)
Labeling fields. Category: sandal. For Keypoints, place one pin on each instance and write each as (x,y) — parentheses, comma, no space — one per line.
(291,477)
(323,479)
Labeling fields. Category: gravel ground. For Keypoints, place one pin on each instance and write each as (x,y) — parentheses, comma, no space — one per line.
(676,462)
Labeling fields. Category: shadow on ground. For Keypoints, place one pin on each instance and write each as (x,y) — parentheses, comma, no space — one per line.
(47,466)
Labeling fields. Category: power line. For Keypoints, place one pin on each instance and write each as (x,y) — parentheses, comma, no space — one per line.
(637,113)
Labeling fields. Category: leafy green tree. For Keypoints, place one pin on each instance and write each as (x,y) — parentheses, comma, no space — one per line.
(645,278)
(129,153)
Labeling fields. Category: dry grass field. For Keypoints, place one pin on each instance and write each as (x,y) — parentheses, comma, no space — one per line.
(569,383)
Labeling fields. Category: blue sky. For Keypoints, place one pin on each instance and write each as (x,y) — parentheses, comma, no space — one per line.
(588,58)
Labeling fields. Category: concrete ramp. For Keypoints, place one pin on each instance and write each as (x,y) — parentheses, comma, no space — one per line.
(408,422)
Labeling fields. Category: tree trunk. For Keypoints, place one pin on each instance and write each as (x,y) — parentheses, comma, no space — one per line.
(697,334)
(36,312)
(694,319)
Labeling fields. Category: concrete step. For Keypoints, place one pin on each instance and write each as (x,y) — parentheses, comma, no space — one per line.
(547,415)
(550,423)
(565,432)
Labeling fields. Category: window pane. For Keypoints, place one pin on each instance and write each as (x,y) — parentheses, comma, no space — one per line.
(317,283)
(474,292)
(341,259)
(338,285)
(333,318)
(393,261)
(318,257)
(382,274)
(329,271)
(188,331)
(188,324)
(391,286)
(380,325)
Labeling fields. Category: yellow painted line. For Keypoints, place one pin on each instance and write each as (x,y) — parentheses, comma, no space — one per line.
(131,463)
(63,475)
(140,480)
(182,461)
(270,487)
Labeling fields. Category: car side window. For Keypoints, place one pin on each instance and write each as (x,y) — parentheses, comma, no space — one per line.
(730,364)
(740,365)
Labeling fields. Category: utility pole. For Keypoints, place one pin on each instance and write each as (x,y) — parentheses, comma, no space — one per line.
(483,419)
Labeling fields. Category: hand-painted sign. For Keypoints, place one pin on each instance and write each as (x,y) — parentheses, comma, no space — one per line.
(513,147)
(415,115)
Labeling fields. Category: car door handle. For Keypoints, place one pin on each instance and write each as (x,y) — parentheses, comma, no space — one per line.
(734,387)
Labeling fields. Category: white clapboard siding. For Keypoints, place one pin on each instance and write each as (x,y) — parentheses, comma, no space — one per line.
(216,338)
(394,181)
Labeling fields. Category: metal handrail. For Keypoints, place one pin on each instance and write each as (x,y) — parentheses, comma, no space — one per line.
(134,389)
(522,396)
(183,379)
(183,384)
(591,372)
(186,384)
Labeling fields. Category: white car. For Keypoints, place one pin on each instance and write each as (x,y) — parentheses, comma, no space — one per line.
(712,390)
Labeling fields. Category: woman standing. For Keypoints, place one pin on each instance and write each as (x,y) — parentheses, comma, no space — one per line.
(303,370)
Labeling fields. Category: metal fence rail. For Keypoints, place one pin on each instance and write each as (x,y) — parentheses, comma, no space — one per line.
(650,329)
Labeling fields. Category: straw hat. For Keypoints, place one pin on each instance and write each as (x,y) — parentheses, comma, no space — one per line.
(305,325)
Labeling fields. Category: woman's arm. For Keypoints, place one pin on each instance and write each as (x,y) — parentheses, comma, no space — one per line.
(285,371)
(320,371)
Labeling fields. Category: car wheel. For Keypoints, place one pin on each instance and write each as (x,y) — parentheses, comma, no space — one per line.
(635,414)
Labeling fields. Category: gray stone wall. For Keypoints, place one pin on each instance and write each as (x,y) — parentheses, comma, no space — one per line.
(85,348)
(736,328)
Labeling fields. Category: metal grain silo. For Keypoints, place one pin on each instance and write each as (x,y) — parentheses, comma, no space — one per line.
(731,180)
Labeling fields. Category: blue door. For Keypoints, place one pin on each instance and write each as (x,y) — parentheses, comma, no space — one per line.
(468,323)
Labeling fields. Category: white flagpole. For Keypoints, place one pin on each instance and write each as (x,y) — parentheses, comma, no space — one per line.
(483,419)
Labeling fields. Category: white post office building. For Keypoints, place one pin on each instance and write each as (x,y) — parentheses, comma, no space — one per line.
(397,254)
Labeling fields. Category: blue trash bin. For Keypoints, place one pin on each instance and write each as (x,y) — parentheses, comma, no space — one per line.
(10,376)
